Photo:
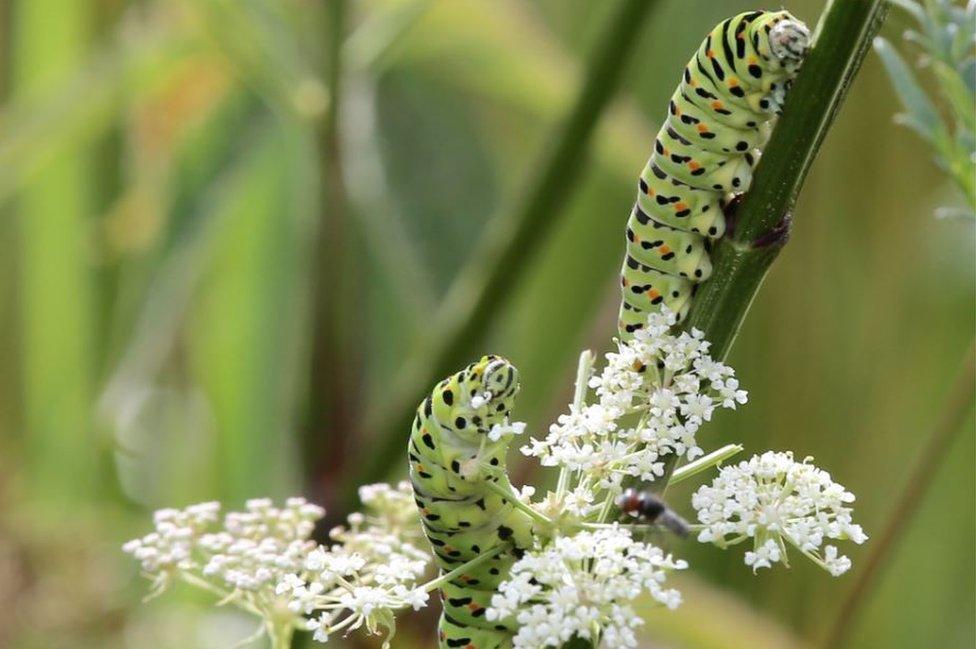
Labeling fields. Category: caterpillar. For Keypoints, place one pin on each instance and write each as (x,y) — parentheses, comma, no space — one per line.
(718,119)
(452,460)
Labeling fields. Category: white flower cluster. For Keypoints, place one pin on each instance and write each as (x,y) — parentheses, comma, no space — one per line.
(652,396)
(371,570)
(170,547)
(251,551)
(264,561)
(775,500)
(584,585)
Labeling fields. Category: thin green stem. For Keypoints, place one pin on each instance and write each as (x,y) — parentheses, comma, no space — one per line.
(954,414)
(281,635)
(511,496)
(224,595)
(704,463)
(484,285)
(583,371)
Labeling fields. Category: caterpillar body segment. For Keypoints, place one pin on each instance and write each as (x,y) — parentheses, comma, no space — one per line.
(718,120)
(451,461)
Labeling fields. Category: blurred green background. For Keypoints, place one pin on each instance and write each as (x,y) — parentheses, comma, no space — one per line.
(210,282)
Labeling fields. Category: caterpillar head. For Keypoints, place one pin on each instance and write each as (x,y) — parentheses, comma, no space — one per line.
(786,41)
(494,382)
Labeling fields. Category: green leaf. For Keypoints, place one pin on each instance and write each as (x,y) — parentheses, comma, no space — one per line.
(922,115)
(958,94)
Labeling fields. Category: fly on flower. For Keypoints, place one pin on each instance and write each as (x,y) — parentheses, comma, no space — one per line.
(649,507)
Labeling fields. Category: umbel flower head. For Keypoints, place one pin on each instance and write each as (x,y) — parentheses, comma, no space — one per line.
(584,585)
(777,501)
(372,570)
(250,551)
(652,396)
(264,561)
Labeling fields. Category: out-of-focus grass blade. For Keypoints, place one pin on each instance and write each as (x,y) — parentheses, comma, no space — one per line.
(171,190)
(921,115)
(377,207)
(374,41)
(245,342)
(34,129)
(56,289)
(177,277)
(470,44)
(264,50)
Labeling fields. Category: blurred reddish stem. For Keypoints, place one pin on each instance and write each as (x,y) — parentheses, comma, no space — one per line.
(882,548)
(331,404)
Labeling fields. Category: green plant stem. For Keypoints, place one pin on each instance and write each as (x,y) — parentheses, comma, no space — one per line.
(508,246)
(225,596)
(510,495)
(281,635)
(704,463)
(954,414)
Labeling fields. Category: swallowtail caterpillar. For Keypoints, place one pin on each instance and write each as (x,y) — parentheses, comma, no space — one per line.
(451,460)
(718,120)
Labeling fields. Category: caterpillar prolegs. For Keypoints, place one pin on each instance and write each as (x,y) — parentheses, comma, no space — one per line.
(452,460)
(718,119)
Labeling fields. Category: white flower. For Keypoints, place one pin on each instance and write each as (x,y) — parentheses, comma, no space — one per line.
(764,556)
(580,583)
(773,500)
(498,431)
(415,598)
(264,557)
(652,396)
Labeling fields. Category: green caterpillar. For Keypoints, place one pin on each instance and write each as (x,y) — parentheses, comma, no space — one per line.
(451,460)
(718,119)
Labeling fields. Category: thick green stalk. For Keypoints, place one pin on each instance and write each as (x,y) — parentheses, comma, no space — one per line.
(509,245)
(50,38)
(950,424)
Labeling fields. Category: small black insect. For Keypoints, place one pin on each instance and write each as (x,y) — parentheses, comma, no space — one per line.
(646,506)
